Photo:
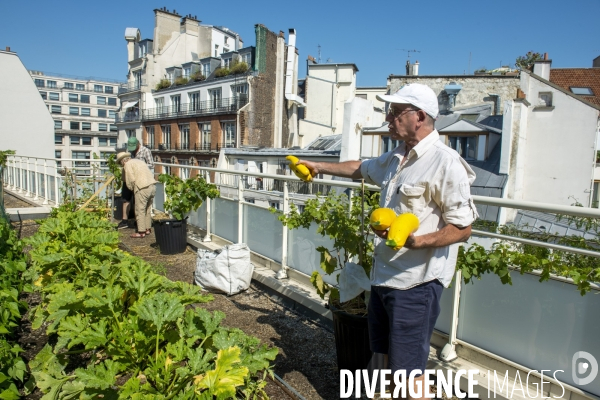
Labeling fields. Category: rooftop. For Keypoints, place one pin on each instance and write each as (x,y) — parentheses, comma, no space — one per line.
(569,78)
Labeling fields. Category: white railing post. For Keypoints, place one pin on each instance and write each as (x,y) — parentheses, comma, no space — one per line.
(56,194)
(45,182)
(27,180)
(10,171)
(207,236)
(20,175)
(282,273)
(240,208)
(449,350)
(36,179)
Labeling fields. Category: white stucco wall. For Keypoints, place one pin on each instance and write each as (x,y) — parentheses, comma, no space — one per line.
(358,113)
(560,146)
(27,126)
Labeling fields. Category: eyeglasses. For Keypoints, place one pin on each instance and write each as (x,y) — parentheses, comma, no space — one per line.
(396,113)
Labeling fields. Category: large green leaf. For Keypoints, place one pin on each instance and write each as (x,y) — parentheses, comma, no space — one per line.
(223,380)
(160,308)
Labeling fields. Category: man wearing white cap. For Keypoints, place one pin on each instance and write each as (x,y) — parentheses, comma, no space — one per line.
(426,177)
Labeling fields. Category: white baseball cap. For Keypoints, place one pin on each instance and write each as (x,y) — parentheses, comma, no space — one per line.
(420,96)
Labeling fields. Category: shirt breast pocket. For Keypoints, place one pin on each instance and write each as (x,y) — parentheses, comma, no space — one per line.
(412,198)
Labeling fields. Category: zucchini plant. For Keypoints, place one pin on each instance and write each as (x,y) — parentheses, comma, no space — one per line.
(187,195)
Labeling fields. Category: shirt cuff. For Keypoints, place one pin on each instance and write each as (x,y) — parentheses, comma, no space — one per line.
(364,168)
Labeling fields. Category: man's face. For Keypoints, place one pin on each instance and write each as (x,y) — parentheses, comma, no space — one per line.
(401,119)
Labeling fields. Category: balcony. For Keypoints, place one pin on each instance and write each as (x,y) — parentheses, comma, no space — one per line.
(526,327)
(223,106)
(127,116)
(131,86)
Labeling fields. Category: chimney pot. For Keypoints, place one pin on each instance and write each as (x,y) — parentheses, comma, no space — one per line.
(545,56)
(7,48)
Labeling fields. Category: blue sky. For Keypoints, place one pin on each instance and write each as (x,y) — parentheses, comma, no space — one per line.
(86,38)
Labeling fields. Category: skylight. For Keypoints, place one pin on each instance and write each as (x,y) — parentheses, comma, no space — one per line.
(584,91)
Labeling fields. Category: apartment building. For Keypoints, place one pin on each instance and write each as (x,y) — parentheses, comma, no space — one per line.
(194,89)
(83,110)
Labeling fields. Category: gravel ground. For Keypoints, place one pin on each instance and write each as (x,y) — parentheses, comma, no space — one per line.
(11,201)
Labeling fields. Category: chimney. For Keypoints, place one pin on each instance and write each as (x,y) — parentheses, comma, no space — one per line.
(415,68)
(7,48)
(190,25)
(541,68)
(165,24)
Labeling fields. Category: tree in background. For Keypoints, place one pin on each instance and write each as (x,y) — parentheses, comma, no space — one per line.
(526,61)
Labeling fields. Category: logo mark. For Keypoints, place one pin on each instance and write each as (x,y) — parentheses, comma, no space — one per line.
(584,363)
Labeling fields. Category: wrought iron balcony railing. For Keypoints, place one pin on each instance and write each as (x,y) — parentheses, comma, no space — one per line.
(128,116)
(131,86)
(221,106)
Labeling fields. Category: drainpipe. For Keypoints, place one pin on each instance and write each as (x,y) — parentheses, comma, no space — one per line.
(496,102)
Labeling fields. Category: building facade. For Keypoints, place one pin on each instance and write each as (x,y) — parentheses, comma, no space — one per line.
(83,112)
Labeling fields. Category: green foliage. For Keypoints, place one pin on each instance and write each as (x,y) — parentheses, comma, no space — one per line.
(4,157)
(238,67)
(526,61)
(116,170)
(346,228)
(221,72)
(197,76)
(505,256)
(182,80)
(143,338)
(163,84)
(481,70)
(185,196)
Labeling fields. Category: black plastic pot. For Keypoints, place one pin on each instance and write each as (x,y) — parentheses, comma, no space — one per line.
(118,208)
(171,235)
(351,339)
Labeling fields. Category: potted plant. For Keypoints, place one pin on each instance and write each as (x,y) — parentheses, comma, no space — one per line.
(182,197)
(343,221)
(116,170)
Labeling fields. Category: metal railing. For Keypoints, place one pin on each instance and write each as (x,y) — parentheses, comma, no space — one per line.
(127,116)
(529,326)
(131,86)
(221,106)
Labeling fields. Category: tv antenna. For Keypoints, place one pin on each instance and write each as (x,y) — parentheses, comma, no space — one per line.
(319,57)
(409,51)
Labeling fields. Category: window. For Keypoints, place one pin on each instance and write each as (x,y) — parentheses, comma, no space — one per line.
(102,127)
(39,82)
(150,136)
(545,99)
(469,117)
(108,89)
(104,155)
(81,155)
(247,58)
(216,50)
(58,125)
(54,96)
(58,139)
(143,49)
(225,39)
(58,154)
(85,112)
(166,170)
(74,110)
(104,141)
(84,98)
(215,97)
(68,85)
(75,140)
(166,136)
(101,100)
(86,140)
(112,101)
(184,137)
(130,133)
(98,88)
(80,86)
(86,126)
(73,98)
(55,109)
(111,114)
(466,146)
(187,72)
(206,69)
(159,103)
(137,78)
(240,89)
(113,128)
(51,84)
(583,91)
(225,50)
(176,103)
(205,128)
(44,95)
(227,62)
(229,133)
(102,113)
(274,204)
(184,173)
(195,101)
(74,125)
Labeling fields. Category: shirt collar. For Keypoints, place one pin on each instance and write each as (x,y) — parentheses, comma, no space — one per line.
(421,147)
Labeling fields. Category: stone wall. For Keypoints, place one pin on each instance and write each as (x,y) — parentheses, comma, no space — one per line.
(476,89)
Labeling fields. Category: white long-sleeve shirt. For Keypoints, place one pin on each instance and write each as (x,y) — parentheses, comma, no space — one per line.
(434,184)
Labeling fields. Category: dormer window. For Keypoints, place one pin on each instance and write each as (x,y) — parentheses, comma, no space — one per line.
(582,91)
